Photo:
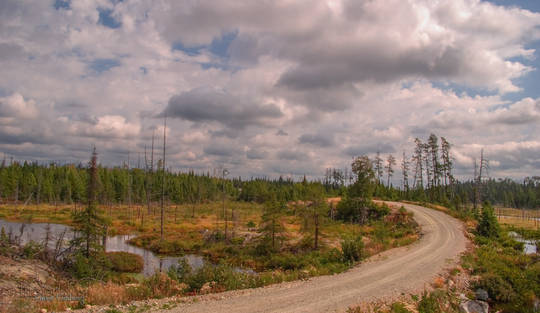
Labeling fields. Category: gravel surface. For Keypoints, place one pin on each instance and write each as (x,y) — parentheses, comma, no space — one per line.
(387,275)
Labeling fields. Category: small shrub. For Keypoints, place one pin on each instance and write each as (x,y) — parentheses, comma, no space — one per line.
(352,249)
(181,271)
(31,250)
(429,303)
(497,288)
(97,267)
(488,225)
(398,307)
(160,285)
(125,262)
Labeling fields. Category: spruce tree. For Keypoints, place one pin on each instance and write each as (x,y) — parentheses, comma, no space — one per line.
(89,222)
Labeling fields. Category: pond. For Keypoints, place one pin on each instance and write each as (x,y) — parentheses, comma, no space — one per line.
(529,246)
(152,263)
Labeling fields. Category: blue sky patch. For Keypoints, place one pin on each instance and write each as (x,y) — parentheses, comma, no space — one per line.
(106,18)
(102,65)
(191,51)
(62,4)
(220,46)
(460,89)
(531,5)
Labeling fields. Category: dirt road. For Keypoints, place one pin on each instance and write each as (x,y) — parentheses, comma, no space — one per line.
(393,272)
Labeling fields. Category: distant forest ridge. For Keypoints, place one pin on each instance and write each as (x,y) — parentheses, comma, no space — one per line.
(30,182)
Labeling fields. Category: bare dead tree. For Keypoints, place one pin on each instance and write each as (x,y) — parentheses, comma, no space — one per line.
(390,162)
(418,167)
(224,173)
(163,173)
(405,171)
(482,169)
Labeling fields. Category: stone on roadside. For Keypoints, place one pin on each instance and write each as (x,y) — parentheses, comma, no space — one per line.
(473,306)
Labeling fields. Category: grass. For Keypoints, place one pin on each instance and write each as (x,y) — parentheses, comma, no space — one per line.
(125,262)
(519,222)
(184,233)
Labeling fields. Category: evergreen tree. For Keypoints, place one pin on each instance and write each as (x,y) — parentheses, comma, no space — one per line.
(488,225)
(405,172)
(272,227)
(390,162)
(378,167)
(89,222)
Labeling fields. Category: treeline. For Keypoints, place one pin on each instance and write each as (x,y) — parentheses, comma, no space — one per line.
(428,176)
(30,182)
(503,192)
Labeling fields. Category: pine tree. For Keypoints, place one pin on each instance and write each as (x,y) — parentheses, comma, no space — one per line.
(378,167)
(418,165)
(390,162)
(272,227)
(488,225)
(89,222)
(405,172)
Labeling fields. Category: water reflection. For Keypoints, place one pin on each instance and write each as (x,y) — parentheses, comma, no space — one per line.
(38,232)
(529,246)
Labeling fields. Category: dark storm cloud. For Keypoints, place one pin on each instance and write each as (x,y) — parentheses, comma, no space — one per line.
(291,155)
(336,67)
(221,150)
(256,154)
(369,148)
(211,105)
(321,140)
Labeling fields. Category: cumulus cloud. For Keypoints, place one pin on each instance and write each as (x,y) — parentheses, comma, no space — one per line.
(321,140)
(272,87)
(211,105)
(15,106)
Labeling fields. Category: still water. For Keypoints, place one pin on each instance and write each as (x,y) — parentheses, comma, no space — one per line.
(529,246)
(152,263)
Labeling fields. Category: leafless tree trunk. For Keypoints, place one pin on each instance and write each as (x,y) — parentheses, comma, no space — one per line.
(163,173)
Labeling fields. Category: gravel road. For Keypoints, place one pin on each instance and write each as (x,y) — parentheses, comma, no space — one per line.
(396,271)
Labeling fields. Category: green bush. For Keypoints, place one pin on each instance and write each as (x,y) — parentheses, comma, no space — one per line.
(497,288)
(429,303)
(181,271)
(286,262)
(398,307)
(31,250)
(352,249)
(488,225)
(511,278)
(125,262)
(96,267)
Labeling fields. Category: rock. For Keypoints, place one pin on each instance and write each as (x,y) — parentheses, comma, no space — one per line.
(183,286)
(88,306)
(482,295)
(473,306)
(43,310)
(207,287)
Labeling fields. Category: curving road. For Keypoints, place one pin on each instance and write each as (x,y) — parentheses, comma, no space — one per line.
(396,271)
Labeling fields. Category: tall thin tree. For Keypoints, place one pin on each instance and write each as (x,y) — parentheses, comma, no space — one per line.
(390,162)
(405,171)
(163,173)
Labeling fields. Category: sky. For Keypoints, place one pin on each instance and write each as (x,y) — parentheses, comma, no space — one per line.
(271,88)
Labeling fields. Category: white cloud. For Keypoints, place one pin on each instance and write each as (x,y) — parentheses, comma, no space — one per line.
(338,78)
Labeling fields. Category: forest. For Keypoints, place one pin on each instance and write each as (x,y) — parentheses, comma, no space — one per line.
(426,176)
(275,230)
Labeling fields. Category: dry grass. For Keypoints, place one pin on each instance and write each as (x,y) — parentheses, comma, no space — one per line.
(519,222)
(106,293)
